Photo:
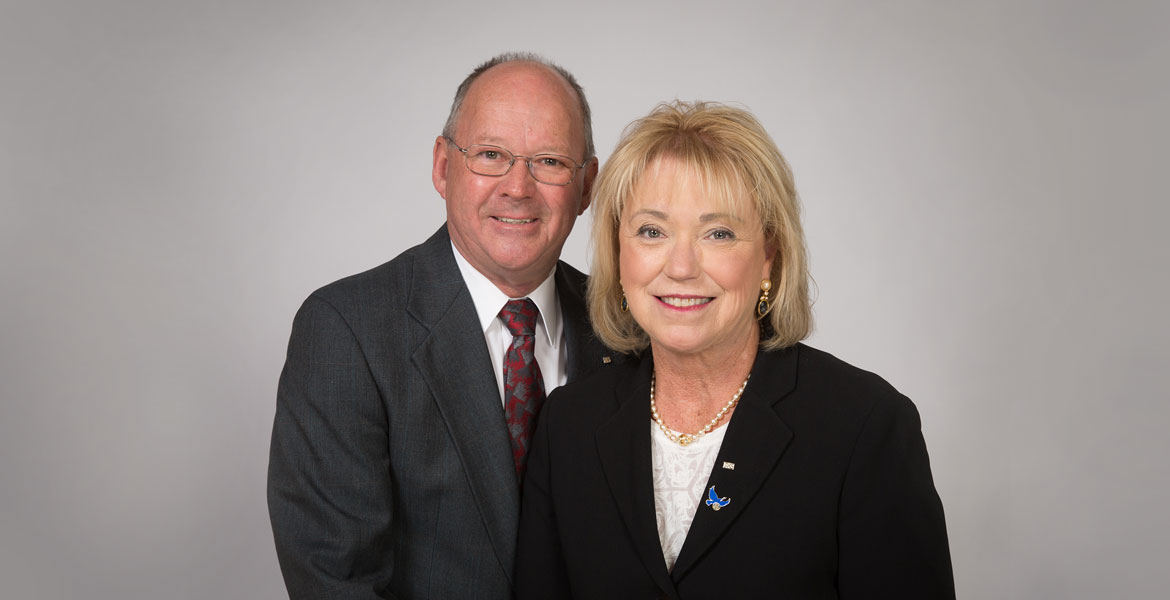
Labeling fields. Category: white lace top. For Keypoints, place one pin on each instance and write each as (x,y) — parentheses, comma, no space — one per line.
(680,481)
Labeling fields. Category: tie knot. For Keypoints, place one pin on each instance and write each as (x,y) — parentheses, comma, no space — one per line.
(519,316)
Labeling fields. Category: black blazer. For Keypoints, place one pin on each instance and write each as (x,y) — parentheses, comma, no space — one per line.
(391,471)
(831,493)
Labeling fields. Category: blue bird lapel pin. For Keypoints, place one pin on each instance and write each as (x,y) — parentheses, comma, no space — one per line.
(714,501)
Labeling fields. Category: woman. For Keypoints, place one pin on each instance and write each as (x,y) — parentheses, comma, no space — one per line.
(724,459)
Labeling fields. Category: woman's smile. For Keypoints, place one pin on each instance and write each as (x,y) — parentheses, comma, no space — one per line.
(685,302)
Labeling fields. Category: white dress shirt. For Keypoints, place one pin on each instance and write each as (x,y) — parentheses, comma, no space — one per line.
(550,351)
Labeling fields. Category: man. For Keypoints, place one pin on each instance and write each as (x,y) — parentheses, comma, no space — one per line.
(405,403)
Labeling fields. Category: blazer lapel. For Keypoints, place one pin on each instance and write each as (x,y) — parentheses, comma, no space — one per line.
(754,442)
(623,444)
(455,363)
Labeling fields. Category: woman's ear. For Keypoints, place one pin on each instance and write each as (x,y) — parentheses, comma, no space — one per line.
(770,255)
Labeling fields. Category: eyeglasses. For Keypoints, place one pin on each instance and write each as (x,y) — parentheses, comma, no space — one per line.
(494,161)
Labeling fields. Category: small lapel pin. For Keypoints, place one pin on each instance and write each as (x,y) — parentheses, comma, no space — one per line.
(714,501)
(606,359)
(730,466)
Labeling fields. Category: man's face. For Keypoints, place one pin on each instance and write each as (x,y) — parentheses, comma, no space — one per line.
(511,228)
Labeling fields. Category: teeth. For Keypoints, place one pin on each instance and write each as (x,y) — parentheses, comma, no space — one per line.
(515,221)
(681,302)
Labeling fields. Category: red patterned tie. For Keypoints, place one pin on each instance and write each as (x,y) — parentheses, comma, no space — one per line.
(523,386)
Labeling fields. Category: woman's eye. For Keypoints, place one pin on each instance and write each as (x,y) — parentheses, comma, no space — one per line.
(650,232)
(722,234)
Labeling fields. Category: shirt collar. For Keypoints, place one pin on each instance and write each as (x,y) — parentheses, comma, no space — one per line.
(489,300)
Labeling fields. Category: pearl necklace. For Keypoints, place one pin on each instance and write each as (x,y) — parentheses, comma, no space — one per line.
(685,439)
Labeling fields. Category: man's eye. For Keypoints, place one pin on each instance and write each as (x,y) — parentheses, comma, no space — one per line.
(489,154)
(549,161)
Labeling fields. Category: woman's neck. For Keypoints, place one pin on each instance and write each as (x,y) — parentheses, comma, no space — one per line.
(690,389)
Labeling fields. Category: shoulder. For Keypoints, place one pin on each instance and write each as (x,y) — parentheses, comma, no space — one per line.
(817,367)
(602,381)
(383,281)
(388,284)
(834,389)
(595,396)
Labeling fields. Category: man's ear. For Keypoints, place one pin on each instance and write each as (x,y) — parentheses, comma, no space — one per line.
(590,170)
(439,166)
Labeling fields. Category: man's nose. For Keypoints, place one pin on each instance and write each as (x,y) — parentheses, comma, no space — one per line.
(518,181)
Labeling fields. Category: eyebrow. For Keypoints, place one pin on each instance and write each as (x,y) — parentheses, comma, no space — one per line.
(493,141)
(657,214)
(704,218)
(708,217)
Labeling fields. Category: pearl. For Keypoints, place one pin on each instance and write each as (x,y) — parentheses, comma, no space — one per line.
(687,439)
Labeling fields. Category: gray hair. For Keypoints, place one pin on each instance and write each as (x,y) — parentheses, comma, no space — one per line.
(499,59)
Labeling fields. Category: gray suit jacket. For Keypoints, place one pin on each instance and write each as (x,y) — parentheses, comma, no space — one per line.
(391,472)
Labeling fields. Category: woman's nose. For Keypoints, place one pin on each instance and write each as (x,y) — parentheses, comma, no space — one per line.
(683,260)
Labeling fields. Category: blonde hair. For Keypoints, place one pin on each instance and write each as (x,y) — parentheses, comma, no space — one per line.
(730,152)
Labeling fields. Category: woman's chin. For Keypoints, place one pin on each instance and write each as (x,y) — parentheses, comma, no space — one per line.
(716,342)
(681,344)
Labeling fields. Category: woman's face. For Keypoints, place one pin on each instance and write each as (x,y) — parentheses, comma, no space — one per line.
(690,269)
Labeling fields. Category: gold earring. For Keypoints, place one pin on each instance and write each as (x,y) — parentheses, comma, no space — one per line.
(625,305)
(763,306)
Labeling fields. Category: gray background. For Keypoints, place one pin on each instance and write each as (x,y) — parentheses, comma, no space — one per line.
(984,194)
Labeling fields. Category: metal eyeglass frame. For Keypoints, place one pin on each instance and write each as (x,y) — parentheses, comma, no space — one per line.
(512,163)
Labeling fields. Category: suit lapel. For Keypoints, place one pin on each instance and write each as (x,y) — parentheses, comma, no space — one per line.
(754,442)
(585,351)
(455,363)
(623,444)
